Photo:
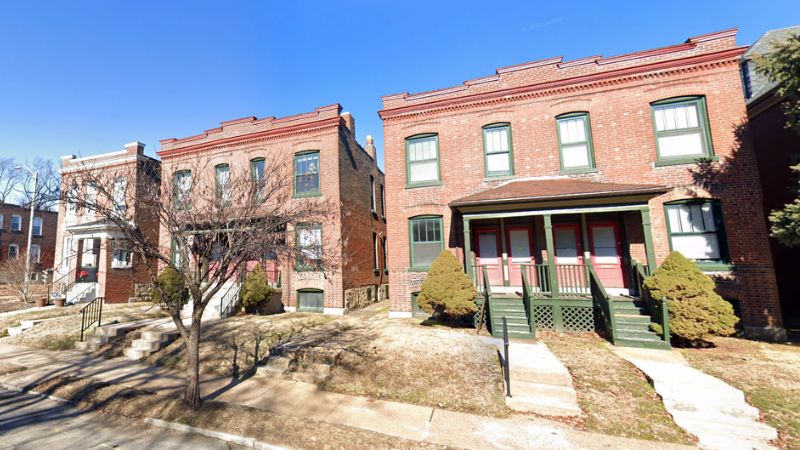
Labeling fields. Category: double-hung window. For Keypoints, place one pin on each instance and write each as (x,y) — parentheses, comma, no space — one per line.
(426,240)
(120,205)
(499,158)
(36,254)
(306,174)
(422,158)
(309,244)
(372,194)
(681,128)
(375,257)
(257,172)
(121,256)
(91,199)
(385,256)
(16,223)
(695,230)
(37,226)
(72,206)
(222,177)
(182,186)
(575,142)
(13,251)
(383,203)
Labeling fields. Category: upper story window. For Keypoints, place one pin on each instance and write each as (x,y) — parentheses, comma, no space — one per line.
(13,251)
(499,157)
(383,203)
(36,254)
(372,206)
(681,128)
(422,160)
(696,230)
(575,142)
(306,173)
(257,173)
(120,204)
(91,198)
(182,186)
(746,81)
(375,263)
(426,240)
(37,226)
(1,221)
(72,207)
(16,223)
(222,178)
(309,243)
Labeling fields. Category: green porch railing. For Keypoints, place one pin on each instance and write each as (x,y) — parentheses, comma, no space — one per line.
(658,309)
(526,301)
(535,277)
(602,302)
(573,279)
(487,294)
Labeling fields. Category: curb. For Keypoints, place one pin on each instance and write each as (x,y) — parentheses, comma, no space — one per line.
(227,437)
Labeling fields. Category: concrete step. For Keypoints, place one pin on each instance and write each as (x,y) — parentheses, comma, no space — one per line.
(311,373)
(540,376)
(145,345)
(320,355)
(548,391)
(15,331)
(272,372)
(28,324)
(86,346)
(281,361)
(543,406)
(134,354)
(159,335)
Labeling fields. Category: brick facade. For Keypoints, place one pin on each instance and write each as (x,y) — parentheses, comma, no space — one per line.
(46,240)
(617,93)
(345,169)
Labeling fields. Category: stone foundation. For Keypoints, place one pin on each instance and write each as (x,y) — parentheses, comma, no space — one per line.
(361,297)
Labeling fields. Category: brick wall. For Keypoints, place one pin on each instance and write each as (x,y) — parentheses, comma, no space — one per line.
(46,242)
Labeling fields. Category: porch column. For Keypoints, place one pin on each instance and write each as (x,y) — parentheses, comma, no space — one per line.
(504,253)
(648,240)
(468,251)
(551,258)
(587,256)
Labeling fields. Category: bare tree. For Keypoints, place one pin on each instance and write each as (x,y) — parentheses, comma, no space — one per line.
(13,274)
(48,185)
(10,179)
(212,223)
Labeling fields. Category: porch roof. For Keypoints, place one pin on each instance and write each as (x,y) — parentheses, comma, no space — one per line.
(554,189)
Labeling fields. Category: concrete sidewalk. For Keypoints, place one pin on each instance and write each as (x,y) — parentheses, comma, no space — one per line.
(298,399)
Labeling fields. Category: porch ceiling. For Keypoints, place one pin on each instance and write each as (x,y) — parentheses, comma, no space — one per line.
(527,191)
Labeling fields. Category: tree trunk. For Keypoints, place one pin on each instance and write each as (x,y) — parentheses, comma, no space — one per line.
(191,397)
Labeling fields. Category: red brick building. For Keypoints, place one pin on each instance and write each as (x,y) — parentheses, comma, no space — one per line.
(605,163)
(91,257)
(321,148)
(14,225)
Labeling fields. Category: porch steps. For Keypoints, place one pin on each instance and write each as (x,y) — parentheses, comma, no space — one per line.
(633,325)
(512,308)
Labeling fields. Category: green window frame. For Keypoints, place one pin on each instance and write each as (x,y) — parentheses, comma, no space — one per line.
(383,202)
(257,175)
(422,153)
(306,174)
(375,258)
(311,251)
(676,123)
(223,186)
(182,189)
(574,132)
(426,240)
(385,256)
(372,200)
(693,223)
(496,148)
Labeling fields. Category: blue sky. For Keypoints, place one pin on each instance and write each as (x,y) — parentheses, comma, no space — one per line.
(86,77)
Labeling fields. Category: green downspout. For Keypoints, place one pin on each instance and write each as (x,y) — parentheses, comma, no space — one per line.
(468,253)
(551,259)
(648,240)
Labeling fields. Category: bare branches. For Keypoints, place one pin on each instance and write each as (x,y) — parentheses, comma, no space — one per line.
(48,185)
(10,179)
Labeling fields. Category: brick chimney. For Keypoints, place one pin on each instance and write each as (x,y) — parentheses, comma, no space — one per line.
(349,122)
(135,148)
(370,147)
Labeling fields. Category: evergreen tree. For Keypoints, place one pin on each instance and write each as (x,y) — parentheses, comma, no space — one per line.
(448,291)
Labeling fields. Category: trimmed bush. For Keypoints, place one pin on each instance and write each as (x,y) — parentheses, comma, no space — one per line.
(447,291)
(696,311)
(171,282)
(256,289)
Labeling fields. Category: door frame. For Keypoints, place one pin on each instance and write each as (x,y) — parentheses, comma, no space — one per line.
(531,251)
(617,240)
(578,239)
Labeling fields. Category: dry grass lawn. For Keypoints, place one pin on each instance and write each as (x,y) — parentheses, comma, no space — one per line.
(615,396)
(262,425)
(61,326)
(768,374)
(13,304)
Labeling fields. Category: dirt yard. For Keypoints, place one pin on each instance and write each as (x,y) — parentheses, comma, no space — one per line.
(13,304)
(768,374)
(615,396)
(60,327)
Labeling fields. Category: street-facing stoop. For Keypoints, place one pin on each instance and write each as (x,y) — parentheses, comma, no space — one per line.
(152,339)
(310,365)
(103,334)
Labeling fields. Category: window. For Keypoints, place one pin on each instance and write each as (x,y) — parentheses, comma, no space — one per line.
(66,253)
(575,141)
(91,199)
(422,157)
(426,240)
(383,204)
(16,223)
(306,174)
(257,172)
(746,81)
(181,198)
(72,207)
(695,230)
(222,176)
(499,158)
(385,256)
(310,300)
(1,221)
(681,129)
(121,255)
(13,251)
(372,194)
(120,186)
(309,243)
(375,264)
(36,254)
(37,226)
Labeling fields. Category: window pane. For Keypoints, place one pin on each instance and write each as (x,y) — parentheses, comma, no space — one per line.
(496,139)
(697,246)
(423,171)
(576,155)
(498,162)
(487,245)
(420,149)
(675,224)
(690,143)
(708,217)
(572,130)
(676,117)
(424,254)
(566,244)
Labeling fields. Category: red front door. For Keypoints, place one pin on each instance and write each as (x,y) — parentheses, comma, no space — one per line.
(606,254)
(488,253)
(519,240)
(569,257)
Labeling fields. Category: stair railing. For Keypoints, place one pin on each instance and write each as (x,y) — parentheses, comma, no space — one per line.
(506,366)
(91,314)
(487,294)
(658,309)
(602,301)
(538,280)
(526,300)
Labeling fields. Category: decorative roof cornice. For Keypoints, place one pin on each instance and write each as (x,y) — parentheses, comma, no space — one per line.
(579,83)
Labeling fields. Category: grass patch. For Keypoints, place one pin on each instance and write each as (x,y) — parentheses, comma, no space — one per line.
(242,420)
(615,396)
(768,374)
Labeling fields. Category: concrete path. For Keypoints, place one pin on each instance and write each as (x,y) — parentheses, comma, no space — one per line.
(26,310)
(298,399)
(705,406)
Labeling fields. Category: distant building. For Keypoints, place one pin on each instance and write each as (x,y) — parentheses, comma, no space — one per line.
(14,224)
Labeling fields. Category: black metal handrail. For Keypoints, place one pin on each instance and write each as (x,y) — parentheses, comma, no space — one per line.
(506,367)
(91,313)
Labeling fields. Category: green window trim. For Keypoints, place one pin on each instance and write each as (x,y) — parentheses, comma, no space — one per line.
(589,142)
(258,181)
(375,257)
(423,183)
(180,201)
(373,207)
(383,202)
(707,265)
(301,266)
(415,266)
(307,192)
(510,152)
(703,127)
(218,170)
(385,256)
